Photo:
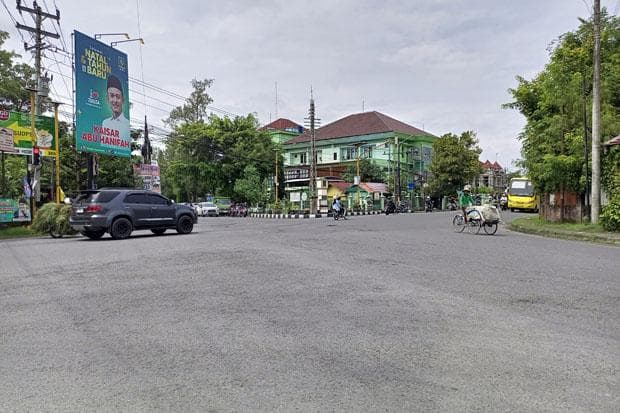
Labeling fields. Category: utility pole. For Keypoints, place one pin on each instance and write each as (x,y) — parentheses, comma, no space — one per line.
(39,34)
(596,116)
(41,85)
(397,186)
(276,181)
(585,141)
(312,172)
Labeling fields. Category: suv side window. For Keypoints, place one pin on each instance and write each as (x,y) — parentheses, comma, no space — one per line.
(136,199)
(156,199)
(106,196)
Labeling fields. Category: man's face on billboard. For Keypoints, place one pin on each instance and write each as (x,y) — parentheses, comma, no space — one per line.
(115,98)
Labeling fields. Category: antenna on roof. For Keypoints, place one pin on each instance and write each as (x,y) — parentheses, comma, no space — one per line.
(276,99)
(362,105)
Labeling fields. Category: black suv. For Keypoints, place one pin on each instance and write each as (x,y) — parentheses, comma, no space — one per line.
(119,211)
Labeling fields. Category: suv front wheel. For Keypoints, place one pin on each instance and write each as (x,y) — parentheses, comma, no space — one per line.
(121,228)
(185,225)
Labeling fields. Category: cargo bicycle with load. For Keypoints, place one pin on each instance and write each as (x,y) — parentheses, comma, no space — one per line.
(485,217)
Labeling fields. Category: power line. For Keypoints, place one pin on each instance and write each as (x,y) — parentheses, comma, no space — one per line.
(69,91)
(13,20)
(169,93)
(56,23)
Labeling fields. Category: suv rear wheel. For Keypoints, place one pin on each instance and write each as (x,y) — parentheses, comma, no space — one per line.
(185,224)
(121,228)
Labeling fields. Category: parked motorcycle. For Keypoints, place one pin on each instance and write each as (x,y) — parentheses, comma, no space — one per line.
(390,207)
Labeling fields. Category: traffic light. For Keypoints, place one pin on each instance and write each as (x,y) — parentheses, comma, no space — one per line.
(36,156)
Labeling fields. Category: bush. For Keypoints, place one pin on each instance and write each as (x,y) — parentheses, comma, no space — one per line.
(53,219)
(610,215)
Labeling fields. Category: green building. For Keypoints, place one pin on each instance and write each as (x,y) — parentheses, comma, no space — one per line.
(401,150)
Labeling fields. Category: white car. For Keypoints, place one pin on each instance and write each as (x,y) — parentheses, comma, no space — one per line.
(209,209)
(196,207)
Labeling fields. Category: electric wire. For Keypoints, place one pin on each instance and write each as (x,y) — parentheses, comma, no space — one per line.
(141,61)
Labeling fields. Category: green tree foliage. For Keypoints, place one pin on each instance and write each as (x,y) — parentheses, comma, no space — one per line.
(369,172)
(251,187)
(455,162)
(209,154)
(14,78)
(195,109)
(553,103)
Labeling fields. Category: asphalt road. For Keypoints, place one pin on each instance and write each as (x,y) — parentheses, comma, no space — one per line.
(375,313)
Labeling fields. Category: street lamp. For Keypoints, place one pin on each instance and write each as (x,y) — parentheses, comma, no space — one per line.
(99,35)
(140,39)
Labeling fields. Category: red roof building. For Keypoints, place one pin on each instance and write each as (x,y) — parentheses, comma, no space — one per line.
(282,130)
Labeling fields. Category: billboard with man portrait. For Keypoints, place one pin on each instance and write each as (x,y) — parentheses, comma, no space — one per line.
(101,98)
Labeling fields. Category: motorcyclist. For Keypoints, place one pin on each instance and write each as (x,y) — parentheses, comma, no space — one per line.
(452,203)
(428,203)
(390,207)
(466,200)
(503,202)
(337,206)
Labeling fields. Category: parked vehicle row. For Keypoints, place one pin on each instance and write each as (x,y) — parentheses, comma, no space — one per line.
(203,209)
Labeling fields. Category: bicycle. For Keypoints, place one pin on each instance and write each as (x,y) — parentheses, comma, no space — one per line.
(475,222)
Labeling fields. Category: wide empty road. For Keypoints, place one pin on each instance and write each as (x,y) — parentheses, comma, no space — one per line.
(375,313)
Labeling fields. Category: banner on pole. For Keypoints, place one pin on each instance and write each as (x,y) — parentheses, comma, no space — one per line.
(18,127)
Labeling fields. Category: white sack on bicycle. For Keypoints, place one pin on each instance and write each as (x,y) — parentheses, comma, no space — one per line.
(489,213)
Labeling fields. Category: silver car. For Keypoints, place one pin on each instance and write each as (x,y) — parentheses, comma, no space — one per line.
(209,209)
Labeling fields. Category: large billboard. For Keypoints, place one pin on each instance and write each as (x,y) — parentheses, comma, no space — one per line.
(101,98)
(16,133)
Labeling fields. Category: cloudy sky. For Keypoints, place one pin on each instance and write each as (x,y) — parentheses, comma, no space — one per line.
(440,65)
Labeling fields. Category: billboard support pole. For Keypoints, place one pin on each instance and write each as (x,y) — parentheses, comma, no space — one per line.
(91,171)
(32,179)
(3,177)
(57,158)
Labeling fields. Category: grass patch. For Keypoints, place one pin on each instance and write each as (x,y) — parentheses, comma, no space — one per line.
(18,231)
(566,230)
(536,222)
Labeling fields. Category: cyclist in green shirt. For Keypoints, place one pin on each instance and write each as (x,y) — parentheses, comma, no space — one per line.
(466,200)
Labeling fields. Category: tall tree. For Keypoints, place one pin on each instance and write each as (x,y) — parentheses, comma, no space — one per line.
(195,108)
(209,157)
(455,162)
(553,103)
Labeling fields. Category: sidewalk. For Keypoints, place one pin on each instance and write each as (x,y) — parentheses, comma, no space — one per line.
(609,238)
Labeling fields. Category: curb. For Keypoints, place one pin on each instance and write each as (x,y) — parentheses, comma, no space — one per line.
(327,215)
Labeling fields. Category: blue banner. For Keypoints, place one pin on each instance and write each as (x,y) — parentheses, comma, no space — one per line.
(101,98)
